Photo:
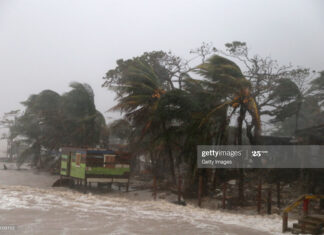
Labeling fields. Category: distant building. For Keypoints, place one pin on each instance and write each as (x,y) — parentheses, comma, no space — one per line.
(312,135)
(276,140)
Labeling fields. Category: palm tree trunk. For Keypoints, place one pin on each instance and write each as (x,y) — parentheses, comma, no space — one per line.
(153,163)
(10,149)
(240,125)
(170,155)
(297,115)
(239,142)
(37,152)
(171,165)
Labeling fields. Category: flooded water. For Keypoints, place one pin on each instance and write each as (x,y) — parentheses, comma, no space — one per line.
(28,201)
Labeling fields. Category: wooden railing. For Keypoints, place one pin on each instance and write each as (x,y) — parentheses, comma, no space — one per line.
(302,199)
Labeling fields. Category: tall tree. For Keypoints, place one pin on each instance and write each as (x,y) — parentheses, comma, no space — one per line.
(139,84)
(228,82)
(51,121)
(298,104)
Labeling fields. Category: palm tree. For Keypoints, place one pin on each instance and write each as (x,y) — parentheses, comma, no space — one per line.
(51,121)
(298,104)
(232,91)
(226,80)
(82,122)
(139,97)
(37,125)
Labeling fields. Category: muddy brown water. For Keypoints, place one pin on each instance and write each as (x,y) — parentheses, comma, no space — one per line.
(28,201)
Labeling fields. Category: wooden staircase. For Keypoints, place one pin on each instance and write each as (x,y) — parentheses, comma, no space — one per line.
(310,224)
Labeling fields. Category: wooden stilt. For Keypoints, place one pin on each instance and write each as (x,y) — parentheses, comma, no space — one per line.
(278,195)
(179,188)
(224,195)
(285,222)
(305,206)
(269,201)
(200,190)
(154,187)
(85,185)
(259,197)
(127,185)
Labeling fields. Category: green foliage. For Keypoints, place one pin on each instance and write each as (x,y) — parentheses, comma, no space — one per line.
(279,91)
(236,47)
(297,107)
(51,121)
(168,122)
(225,79)
(156,62)
(121,129)
(310,114)
(317,88)
(286,90)
(224,75)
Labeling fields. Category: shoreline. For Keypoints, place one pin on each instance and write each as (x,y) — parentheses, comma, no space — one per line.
(241,219)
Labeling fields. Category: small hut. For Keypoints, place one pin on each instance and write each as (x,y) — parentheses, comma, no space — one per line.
(94,165)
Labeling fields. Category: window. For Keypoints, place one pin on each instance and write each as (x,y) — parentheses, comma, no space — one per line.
(109,161)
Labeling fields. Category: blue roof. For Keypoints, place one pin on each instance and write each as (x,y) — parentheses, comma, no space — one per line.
(100,152)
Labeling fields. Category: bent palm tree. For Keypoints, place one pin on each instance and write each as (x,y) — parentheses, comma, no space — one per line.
(141,92)
(140,95)
(227,81)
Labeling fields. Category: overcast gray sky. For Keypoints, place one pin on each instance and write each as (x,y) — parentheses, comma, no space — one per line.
(46,44)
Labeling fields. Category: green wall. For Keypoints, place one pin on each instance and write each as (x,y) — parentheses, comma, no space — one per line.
(64,164)
(107,171)
(78,171)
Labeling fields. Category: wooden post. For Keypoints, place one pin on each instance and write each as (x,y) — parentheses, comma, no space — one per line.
(269,201)
(154,187)
(259,197)
(85,185)
(71,182)
(305,206)
(241,187)
(179,189)
(214,179)
(224,195)
(127,185)
(278,195)
(200,190)
(285,222)
(321,205)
